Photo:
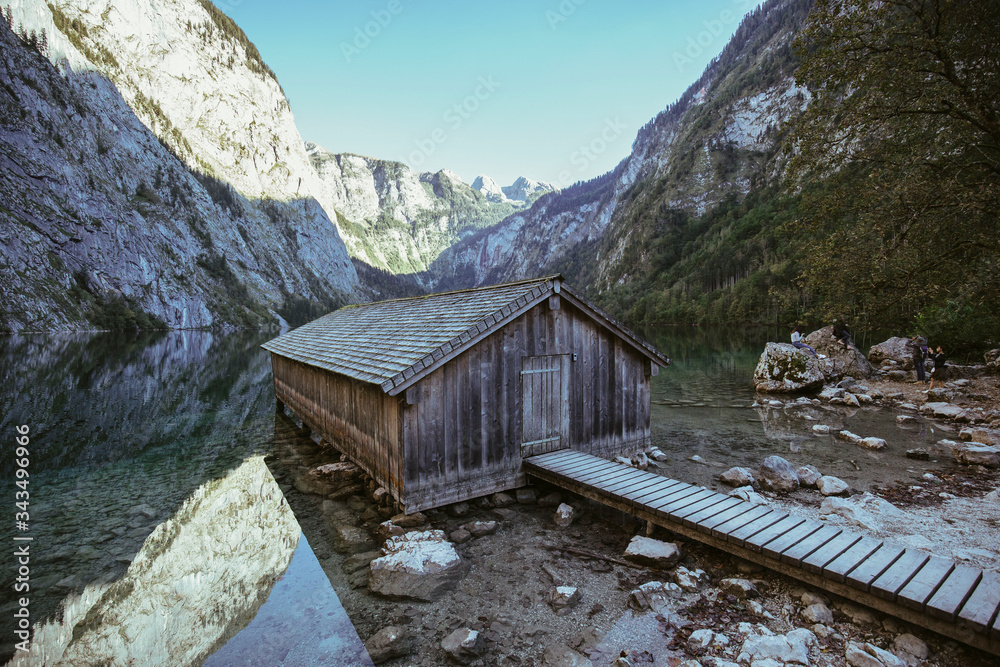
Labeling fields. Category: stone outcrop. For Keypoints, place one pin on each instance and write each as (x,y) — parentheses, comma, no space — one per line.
(896,349)
(786,369)
(974,453)
(839,362)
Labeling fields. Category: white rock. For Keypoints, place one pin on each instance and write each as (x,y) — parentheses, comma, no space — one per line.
(849,510)
(564,515)
(910,649)
(690,580)
(782,648)
(737,477)
(808,475)
(419,565)
(831,486)
(784,368)
(657,454)
(647,551)
(818,613)
(974,453)
(748,494)
(872,443)
(868,655)
(464,645)
(852,438)
(821,429)
(700,639)
(564,596)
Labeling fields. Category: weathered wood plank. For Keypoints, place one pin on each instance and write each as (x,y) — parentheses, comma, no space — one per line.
(921,587)
(673,497)
(953,592)
(709,502)
(982,606)
(838,568)
(794,554)
(653,494)
(544,460)
(670,509)
(723,529)
(776,547)
(696,519)
(757,541)
(739,535)
(637,481)
(577,468)
(872,567)
(709,523)
(603,479)
(890,582)
(821,557)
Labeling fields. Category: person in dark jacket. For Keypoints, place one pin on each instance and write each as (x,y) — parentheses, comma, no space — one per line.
(842,333)
(919,348)
(938,373)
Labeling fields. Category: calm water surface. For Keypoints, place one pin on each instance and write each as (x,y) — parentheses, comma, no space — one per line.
(158,534)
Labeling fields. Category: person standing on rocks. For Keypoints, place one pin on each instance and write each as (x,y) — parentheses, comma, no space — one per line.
(797,341)
(938,373)
(919,347)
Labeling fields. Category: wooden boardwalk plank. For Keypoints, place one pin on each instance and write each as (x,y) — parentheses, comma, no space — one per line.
(921,587)
(634,496)
(668,509)
(673,497)
(653,494)
(700,506)
(695,520)
(889,583)
(722,530)
(838,568)
(656,498)
(953,592)
(600,478)
(740,535)
(613,481)
(637,483)
(958,600)
(794,554)
(872,568)
(774,548)
(982,606)
(707,525)
(818,559)
(757,541)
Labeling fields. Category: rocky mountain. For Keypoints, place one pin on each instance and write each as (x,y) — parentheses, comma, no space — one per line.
(521,191)
(715,144)
(396,219)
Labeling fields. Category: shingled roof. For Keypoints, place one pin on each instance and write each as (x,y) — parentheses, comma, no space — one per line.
(394,343)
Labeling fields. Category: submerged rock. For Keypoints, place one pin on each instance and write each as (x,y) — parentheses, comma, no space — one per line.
(784,368)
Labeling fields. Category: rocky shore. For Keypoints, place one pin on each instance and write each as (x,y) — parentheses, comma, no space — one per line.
(540,577)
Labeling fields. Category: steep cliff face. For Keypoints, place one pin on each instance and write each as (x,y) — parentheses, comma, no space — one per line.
(152,173)
(718,141)
(399,220)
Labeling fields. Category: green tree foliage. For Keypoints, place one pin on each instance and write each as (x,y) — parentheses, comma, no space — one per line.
(904,134)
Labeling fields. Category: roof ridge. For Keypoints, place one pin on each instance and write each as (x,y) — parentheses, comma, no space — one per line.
(465,290)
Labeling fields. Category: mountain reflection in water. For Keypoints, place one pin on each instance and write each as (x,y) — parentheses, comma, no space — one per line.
(158,532)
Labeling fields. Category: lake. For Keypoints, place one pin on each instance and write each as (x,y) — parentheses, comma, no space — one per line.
(156,531)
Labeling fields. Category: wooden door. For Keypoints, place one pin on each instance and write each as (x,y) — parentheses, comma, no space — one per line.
(544,404)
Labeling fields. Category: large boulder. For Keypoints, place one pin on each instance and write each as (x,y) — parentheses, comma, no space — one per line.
(896,349)
(420,565)
(839,362)
(784,368)
(777,474)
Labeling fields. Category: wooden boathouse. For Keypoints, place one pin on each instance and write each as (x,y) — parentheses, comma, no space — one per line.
(439,398)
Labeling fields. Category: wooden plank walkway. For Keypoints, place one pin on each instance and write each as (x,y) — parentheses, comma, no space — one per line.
(951,599)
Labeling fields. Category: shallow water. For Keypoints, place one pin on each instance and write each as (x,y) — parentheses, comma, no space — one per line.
(157,530)
(702,407)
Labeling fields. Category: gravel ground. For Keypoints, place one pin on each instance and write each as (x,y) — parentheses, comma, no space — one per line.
(513,571)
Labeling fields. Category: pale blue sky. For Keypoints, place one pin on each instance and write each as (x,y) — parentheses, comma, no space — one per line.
(550,89)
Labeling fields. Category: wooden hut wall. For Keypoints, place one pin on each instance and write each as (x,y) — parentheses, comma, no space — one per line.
(463,424)
(356,417)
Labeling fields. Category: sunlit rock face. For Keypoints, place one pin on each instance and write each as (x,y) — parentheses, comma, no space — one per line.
(149,154)
(199,578)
